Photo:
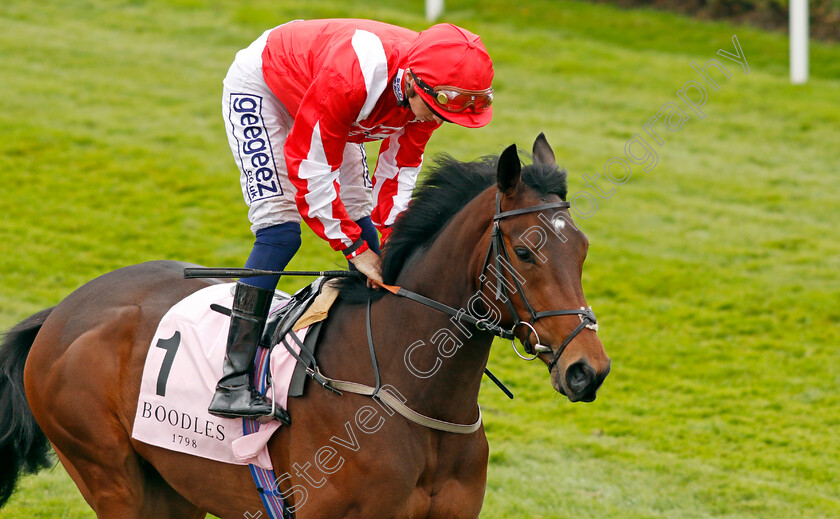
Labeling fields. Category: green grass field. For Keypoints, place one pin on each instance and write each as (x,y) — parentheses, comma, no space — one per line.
(715,276)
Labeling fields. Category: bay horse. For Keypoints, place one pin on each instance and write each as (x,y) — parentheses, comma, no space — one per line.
(80,364)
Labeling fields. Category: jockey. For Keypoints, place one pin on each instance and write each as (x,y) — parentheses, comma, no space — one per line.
(298,103)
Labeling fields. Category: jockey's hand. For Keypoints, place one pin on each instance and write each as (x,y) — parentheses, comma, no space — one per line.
(369,264)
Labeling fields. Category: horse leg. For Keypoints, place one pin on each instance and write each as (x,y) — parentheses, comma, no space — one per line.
(74,475)
(75,395)
(159,499)
(117,484)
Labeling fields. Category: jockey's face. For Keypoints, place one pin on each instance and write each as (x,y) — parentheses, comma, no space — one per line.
(422,111)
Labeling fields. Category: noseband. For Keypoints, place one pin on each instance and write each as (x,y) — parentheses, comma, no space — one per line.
(498,250)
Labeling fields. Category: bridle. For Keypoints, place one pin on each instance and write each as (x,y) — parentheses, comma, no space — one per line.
(499,252)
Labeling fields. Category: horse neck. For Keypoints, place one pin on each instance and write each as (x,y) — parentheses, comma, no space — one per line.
(447,272)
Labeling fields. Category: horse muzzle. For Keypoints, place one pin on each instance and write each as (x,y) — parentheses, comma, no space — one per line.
(580,381)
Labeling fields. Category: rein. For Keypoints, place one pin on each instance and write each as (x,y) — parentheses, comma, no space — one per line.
(499,252)
(337,386)
(461,315)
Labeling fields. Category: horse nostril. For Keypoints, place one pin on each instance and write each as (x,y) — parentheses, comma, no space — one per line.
(579,376)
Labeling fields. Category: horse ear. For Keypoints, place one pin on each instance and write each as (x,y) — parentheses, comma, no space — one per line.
(507,173)
(543,154)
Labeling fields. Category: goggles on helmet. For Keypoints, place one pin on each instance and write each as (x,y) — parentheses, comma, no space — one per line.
(456,100)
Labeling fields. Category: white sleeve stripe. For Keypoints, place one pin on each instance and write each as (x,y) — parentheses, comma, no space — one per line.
(407,179)
(386,165)
(387,162)
(374,67)
(319,177)
(316,162)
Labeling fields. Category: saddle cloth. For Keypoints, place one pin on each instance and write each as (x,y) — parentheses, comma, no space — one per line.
(182,367)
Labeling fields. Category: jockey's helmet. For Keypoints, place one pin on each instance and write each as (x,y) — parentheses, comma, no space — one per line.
(453,74)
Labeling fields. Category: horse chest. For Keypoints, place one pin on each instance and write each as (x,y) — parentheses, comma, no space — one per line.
(452,486)
(456,499)
(415,476)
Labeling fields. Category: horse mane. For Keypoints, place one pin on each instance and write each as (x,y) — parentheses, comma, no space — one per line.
(450,186)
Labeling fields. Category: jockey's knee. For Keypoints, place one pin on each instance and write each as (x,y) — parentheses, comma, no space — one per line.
(283,238)
(273,250)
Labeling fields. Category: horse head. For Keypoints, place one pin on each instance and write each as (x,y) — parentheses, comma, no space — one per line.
(532,270)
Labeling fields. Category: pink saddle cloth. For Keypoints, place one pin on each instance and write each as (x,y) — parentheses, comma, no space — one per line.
(179,378)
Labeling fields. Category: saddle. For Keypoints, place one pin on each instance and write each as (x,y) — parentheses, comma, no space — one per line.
(283,321)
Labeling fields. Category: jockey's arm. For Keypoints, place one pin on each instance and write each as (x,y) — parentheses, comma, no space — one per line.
(397,169)
(314,150)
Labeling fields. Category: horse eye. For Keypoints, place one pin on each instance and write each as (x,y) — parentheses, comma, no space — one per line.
(523,254)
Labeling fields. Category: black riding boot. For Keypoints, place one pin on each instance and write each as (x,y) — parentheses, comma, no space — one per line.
(235,394)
